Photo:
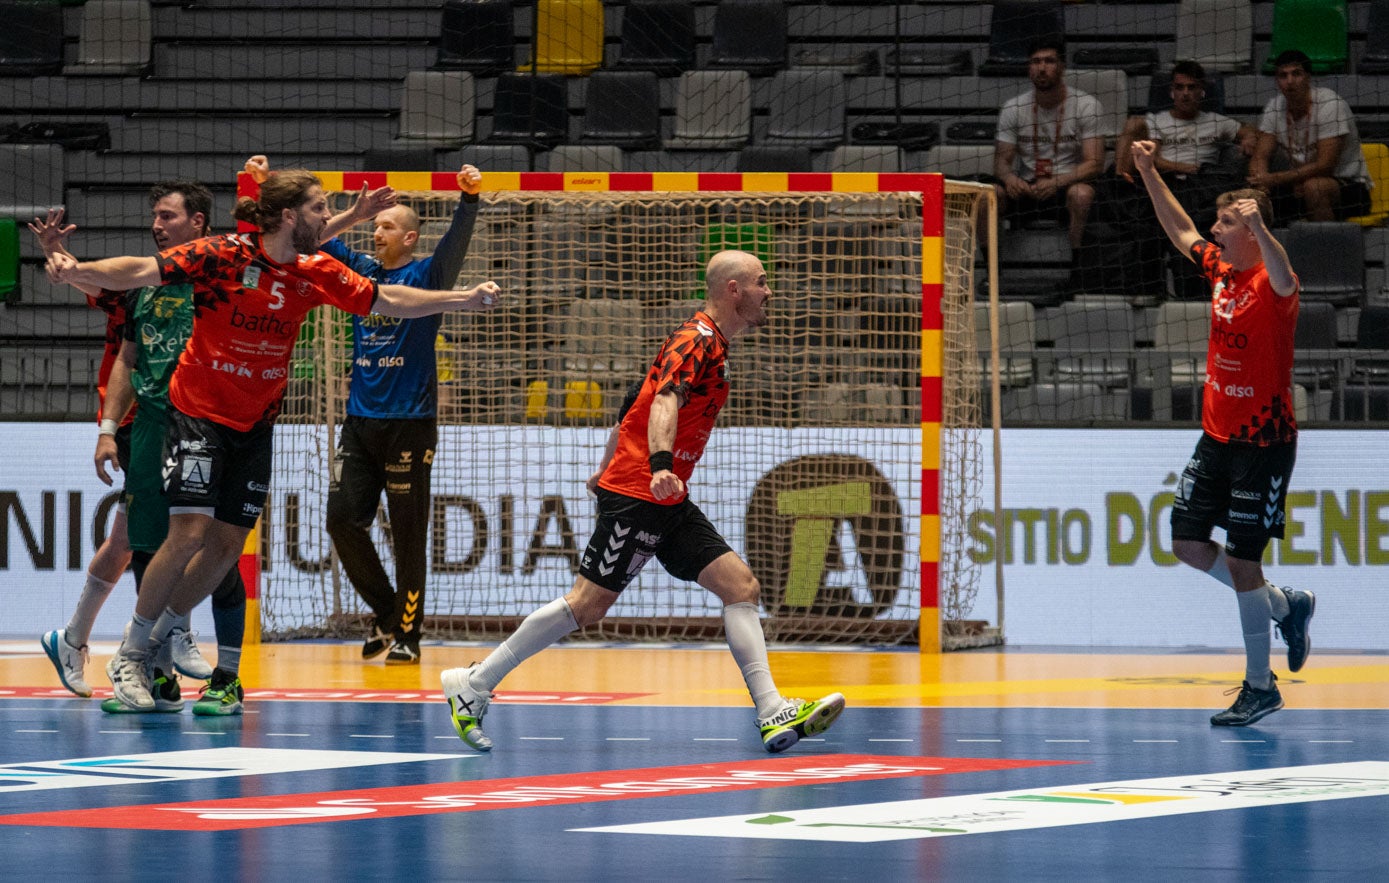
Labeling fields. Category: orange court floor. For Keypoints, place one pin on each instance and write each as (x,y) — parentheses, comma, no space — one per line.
(705,675)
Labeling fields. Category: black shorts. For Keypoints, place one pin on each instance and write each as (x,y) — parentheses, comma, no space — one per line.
(630,531)
(1239,487)
(123,454)
(217,470)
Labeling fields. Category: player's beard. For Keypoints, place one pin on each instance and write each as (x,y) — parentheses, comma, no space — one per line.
(304,238)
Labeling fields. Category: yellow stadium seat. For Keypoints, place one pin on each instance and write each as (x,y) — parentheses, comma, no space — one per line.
(583,400)
(568,37)
(537,394)
(1377,158)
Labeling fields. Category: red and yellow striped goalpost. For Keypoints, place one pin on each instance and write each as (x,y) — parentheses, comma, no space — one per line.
(931,188)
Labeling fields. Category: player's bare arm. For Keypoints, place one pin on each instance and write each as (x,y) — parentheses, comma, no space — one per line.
(405,302)
(120,397)
(114,274)
(1176,223)
(1276,263)
(660,439)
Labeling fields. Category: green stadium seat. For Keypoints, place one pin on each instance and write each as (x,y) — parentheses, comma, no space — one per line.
(9,260)
(1317,27)
(758,239)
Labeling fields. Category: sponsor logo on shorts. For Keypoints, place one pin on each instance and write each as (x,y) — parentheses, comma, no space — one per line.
(1246,495)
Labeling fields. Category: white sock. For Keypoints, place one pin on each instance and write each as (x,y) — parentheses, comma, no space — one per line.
(165,625)
(536,632)
(79,627)
(1278,601)
(1254,617)
(1220,570)
(742,628)
(137,634)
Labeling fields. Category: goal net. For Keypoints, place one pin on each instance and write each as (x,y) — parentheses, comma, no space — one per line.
(815,472)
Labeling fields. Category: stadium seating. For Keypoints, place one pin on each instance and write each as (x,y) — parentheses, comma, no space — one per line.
(31,43)
(807,109)
(9,260)
(750,35)
(1377,161)
(530,109)
(1314,344)
(1316,27)
(1365,395)
(1111,89)
(1330,260)
(622,108)
(438,106)
(774,158)
(657,36)
(713,110)
(927,61)
(399,159)
(1375,59)
(33,181)
(584,158)
(1219,34)
(1017,341)
(568,38)
(1013,28)
(115,38)
(1092,342)
(476,36)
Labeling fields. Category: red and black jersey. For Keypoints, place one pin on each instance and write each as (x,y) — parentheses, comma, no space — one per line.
(1249,357)
(112,303)
(247,310)
(691,363)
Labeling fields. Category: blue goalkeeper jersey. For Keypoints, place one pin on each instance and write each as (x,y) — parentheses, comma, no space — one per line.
(393,369)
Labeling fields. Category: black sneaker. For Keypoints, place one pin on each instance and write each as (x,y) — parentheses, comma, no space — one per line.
(1251,705)
(377,640)
(404,652)
(1293,627)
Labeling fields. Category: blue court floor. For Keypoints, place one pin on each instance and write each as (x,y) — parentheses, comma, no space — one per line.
(365,779)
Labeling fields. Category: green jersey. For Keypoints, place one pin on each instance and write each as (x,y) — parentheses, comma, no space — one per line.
(161,321)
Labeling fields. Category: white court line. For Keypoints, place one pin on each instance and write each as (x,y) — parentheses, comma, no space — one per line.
(286,734)
(1312,741)
(1068,740)
(371,735)
(542,738)
(1244,741)
(879,740)
(1155,741)
(36,731)
(978,740)
(627,739)
(201,733)
(715,739)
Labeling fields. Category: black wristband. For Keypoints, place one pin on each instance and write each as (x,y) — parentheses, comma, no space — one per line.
(661,460)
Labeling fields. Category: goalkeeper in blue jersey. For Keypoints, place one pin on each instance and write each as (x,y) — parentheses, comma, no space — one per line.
(388,438)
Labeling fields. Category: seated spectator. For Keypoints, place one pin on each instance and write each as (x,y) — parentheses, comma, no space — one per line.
(1200,155)
(1049,145)
(1308,155)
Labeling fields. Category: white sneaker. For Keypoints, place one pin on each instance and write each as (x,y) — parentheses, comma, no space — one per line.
(70,661)
(130,678)
(798,719)
(187,660)
(466,707)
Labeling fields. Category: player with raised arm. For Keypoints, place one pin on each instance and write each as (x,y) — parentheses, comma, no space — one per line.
(1238,476)
(388,440)
(179,211)
(644,510)
(251,294)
